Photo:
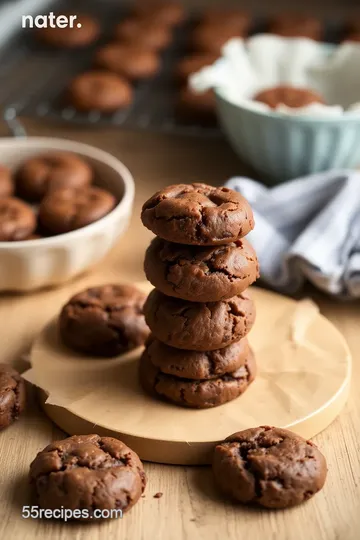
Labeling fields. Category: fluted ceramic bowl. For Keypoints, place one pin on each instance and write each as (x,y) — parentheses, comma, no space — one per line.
(282,147)
(33,264)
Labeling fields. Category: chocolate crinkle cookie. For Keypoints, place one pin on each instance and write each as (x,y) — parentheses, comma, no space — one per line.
(68,209)
(269,466)
(198,214)
(199,326)
(87,472)
(197,364)
(197,394)
(104,321)
(12,395)
(201,274)
(43,173)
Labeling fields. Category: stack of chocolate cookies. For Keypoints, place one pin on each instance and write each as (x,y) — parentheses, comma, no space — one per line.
(199,312)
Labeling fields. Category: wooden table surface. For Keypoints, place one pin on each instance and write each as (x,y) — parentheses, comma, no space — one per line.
(190,507)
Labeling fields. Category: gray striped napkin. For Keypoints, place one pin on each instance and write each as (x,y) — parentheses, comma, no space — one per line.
(307,229)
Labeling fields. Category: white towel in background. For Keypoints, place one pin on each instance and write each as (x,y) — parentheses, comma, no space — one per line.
(308,228)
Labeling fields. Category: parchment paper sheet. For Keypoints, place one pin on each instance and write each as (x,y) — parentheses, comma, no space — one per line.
(264,61)
(302,363)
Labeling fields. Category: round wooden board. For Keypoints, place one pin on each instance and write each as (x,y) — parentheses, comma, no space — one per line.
(304,368)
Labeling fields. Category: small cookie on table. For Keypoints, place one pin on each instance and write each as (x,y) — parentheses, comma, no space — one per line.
(100,91)
(12,395)
(268,466)
(104,321)
(85,473)
(43,173)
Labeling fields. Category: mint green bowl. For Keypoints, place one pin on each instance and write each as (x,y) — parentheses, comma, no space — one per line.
(281,147)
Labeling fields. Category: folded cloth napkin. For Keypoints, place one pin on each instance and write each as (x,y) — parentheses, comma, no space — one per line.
(307,229)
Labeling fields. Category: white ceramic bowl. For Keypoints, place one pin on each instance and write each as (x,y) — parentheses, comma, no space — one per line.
(34,264)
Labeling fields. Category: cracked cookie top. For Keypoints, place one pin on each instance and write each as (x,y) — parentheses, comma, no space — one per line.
(67,209)
(201,274)
(198,214)
(199,326)
(269,466)
(87,472)
(12,395)
(197,394)
(43,173)
(104,321)
(197,364)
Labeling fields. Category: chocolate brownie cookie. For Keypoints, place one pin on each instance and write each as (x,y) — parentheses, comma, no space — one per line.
(100,91)
(40,174)
(87,472)
(288,96)
(167,12)
(196,394)
(198,214)
(191,64)
(6,182)
(71,38)
(104,321)
(296,25)
(201,274)
(199,326)
(68,209)
(197,364)
(269,466)
(12,395)
(148,34)
(194,107)
(211,38)
(17,219)
(132,62)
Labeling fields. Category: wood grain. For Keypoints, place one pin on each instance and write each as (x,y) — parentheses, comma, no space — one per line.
(190,507)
